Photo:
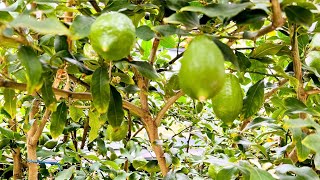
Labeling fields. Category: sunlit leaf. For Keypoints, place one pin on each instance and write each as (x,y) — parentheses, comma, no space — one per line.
(254,99)
(58,120)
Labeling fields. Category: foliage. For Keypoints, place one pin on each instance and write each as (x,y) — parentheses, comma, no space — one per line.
(62,101)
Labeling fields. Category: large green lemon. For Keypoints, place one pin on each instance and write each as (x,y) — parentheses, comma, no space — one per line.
(112,36)
(117,133)
(313,60)
(227,104)
(202,75)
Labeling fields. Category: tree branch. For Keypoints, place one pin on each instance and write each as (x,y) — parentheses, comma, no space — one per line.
(154,49)
(270,93)
(95,5)
(41,126)
(73,95)
(277,21)
(165,108)
(170,62)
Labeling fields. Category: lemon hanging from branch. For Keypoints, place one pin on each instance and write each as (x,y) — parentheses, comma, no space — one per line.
(112,36)
(202,73)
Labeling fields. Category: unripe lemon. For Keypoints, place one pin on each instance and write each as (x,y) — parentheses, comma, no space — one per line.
(202,75)
(112,36)
(227,104)
(313,60)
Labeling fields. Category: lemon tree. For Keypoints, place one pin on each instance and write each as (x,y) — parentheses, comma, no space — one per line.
(149,89)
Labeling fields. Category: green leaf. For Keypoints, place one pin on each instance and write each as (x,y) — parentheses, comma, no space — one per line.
(32,64)
(226,173)
(302,151)
(48,95)
(312,142)
(124,78)
(254,99)
(243,61)
(305,172)
(227,53)
(188,19)
(10,102)
(58,120)
(218,10)
(145,69)
(48,26)
(299,123)
(66,174)
(76,113)
(94,125)
(80,27)
(168,30)
(168,42)
(145,32)
(266,49)
(299,15)
(261,122)
(111,164)
(315,42)
(259,174)
(115,111)
(7,133)
(61,43)
(5,16)
(152,166)
(100,89)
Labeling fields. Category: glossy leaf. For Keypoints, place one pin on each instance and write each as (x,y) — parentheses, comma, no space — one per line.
(266,49)
(227,53)
(145,69)
(58,120)
(218,10)
(32,64)
(243,61)
(10,102)
(48,95)
(48,26)
(168,30)
(299,123)
(76,113)
(188,19)
(226,173)
(94,125)
(312,142)
(301,172)
(66,174)
(80,27)
(299,15)
(302,151)
(100,89)
(145,32)
(115,111)
(254,99)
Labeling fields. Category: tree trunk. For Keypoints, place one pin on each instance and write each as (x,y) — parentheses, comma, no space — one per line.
(32,160)
(17,167)
(152,131)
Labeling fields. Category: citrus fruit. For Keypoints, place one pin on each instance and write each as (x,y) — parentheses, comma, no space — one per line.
(117,133)
(227,104)
(202,75)
(313,60)
(112,36)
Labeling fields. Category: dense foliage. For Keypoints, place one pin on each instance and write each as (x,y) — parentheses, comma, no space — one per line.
(72,109)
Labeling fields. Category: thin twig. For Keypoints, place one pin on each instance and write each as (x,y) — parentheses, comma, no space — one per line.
(265,74)
(189,138)
(95,5)
(137,132)
(154,49)
(270,93)
(72,95)
(170,62)
(165,108)
(277,21)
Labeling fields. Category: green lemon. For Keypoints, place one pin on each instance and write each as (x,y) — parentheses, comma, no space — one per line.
(202,75)
(117,133)
(313,60)
(112,36)
(227,104)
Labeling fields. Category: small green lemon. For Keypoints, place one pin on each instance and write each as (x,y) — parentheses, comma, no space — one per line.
(313,60)
(117,133)
(227,104)
(202,75)
(112,36)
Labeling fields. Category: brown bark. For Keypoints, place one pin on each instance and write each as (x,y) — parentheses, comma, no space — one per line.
(152,131)
(16,154)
